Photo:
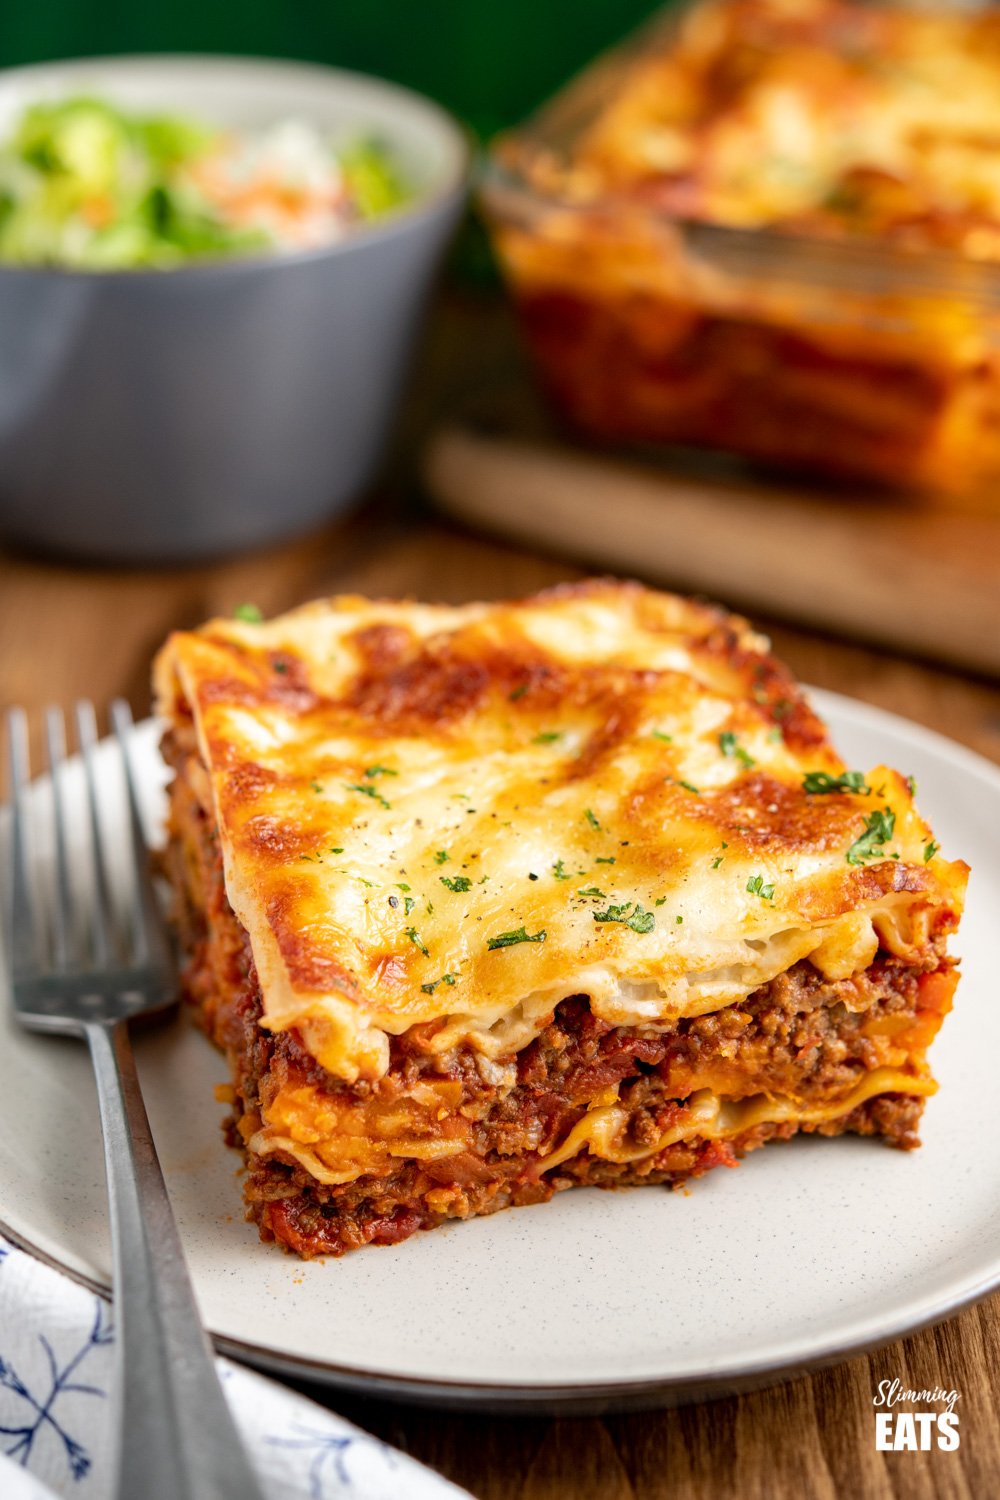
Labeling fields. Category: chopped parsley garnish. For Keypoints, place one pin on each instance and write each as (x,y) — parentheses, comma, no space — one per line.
(250,614)
(879,826)
(338,849)
(315,786)
(756,887)
(518,692)
(547,737)
(930,850)
(630,915)
(590,890)
(429,989)
(441,857)
(604,859)
(678,920)
(511,939)
(560,871)
(818,783)
(401,887)
(657,734)
(314,859)
(687,785)
(372,771)
(660,901)
(367,791)
(280,666)
(458,883)
(730,746)
(590,818)
(717,861)
(409,902)
(911,785)
(414,937)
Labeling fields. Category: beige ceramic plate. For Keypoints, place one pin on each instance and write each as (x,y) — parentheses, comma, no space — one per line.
(810,1250)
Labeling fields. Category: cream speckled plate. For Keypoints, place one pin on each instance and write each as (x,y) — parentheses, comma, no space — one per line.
(809,1251)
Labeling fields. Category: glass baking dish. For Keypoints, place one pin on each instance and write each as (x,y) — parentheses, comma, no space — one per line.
(847,357)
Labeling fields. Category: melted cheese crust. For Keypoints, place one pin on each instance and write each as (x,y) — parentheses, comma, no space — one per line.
(465,815)
(819,115)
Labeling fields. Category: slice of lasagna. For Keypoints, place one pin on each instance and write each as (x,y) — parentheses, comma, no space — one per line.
(485,902)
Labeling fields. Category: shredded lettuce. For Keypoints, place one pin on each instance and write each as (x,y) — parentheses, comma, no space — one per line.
(372,178)
(84,184)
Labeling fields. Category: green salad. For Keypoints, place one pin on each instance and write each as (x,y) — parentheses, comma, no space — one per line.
(85,184)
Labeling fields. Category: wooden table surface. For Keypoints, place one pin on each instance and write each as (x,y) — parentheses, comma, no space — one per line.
(68,631)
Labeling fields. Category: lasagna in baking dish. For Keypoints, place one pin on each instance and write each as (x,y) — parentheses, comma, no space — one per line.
(833,117)
(773,227)
(489,901)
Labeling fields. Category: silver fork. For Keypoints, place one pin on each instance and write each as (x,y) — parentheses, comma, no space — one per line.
(176,1437)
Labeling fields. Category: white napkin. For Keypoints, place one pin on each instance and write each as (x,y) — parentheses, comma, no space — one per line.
(56,1343)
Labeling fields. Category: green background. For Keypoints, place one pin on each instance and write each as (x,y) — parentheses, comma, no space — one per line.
(487,60)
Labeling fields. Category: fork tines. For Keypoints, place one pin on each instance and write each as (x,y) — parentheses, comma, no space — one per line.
(75,916)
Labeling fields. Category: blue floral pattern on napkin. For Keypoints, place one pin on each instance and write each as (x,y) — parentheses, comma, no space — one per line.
(44,1407)
(56,1359)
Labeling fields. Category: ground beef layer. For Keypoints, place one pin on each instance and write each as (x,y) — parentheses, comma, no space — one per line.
(574,1060)
(800,1035)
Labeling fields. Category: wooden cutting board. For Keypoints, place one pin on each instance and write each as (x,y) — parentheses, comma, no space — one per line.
(914,575)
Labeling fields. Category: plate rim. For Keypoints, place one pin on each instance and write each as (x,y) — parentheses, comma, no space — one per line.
(557,1398)
(583,1397)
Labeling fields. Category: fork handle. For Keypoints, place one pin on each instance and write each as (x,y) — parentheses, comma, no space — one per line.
(176,1436)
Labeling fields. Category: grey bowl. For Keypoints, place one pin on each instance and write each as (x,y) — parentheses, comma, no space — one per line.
(166,416)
